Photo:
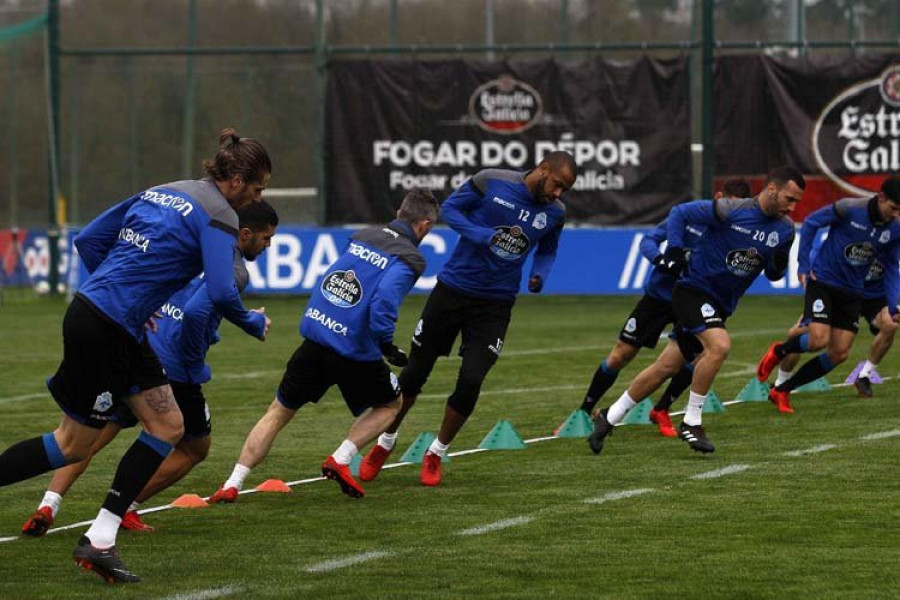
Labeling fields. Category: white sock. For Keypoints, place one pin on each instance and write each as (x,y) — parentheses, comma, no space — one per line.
(866,370)
(782,376)
(237,477)
(694,411)
(345,453)
(387,440)
(53,500)
(103,530)
(438,448)
(620,408)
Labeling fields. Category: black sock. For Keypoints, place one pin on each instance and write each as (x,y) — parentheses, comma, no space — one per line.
(23,461)
(604,378)
(680,382)
(135,469)
(813,369)
(793,345)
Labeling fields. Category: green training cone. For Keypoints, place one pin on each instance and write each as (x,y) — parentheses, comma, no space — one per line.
(419,447)
(576,425)
(819,385)
(502,437)
(354,464)
(640,414)
(713,403)
(754,391)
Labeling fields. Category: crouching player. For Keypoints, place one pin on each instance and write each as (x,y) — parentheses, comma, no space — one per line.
(185,328)
(348,326)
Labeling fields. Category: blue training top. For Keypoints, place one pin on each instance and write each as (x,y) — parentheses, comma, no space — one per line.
(354,309)
(739,243)
(497,201)
(143,250)
(857,236)
(661,282)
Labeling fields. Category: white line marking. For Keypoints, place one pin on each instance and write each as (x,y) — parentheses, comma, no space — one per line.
(24,397)
(881,435)
(729,470)
(340,563)
(813,450)
(9,539)
(618,495)
(496,526)
(209,594)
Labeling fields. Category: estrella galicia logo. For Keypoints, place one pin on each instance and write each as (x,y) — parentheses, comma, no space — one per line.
(855,141)
(103,403)
(511,243)
(744,262)
(505,105)
(342,288)
(859,254)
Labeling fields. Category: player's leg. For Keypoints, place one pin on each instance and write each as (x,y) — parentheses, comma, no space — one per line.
(435,333)
(882,325)
(817,308)
(372,394)
(62,480)
(669,362)
(607,373)
(304,380)
(483,336)
(789,362)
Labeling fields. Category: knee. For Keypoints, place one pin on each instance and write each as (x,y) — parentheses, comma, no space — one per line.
(817,341)
(196,449)
(620,356)
(837,355)
(719,350)
(168,427)
(888,328)
(465,395)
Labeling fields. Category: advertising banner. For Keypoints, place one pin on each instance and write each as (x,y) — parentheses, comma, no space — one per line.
(393,124)
(834,117)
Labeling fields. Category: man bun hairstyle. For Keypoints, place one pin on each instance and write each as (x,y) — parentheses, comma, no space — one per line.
(781,175)
(890,187)
(258,216)
(238,156)
(419,204)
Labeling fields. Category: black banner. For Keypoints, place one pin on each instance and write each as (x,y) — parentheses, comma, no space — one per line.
(836,118)
(396,124)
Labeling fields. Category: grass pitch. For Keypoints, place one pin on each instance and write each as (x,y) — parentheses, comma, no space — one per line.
(550,520)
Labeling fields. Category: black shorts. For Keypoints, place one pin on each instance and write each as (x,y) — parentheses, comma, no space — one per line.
(869,311)
(646,322)
(482,321)
(695,311)
(314,368)
(101,364)
(831,306)
(191,402)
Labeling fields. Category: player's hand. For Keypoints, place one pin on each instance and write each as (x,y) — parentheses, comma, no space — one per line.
(262,310)
(674,260)
(659,260)
(535,284)
(151,325)
(394,355)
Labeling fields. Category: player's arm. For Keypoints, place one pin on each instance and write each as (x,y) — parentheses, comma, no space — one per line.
(98,237)
(651,242)
(705,213)
(824,217)
(778,262)
(194,337)
(892,278)
(456,208)
(392,289)
(217,245)
(544,257)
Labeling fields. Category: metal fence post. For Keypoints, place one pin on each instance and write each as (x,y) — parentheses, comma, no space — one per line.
(54,202)
(320,76)
(187,133)
(708,123)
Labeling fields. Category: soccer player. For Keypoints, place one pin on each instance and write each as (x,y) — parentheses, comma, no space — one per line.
(743,238)
(860,230)
(188,324)
(139,253)
(650,316)
(501,217)
(348,326)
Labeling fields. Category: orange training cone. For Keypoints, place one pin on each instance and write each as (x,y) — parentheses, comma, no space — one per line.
(273,485)
(190,501)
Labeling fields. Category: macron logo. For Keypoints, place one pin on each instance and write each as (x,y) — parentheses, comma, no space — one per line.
(370,256)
